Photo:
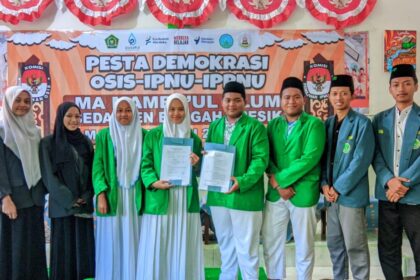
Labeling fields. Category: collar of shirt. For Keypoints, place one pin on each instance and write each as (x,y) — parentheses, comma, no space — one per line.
(229,127)
(403,114)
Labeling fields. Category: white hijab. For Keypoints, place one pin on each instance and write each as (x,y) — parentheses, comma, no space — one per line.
(127,140)
(182,130)
(22,136)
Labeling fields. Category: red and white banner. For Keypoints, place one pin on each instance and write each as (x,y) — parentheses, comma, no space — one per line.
(13,11)
(262,13)
(340,13)
(182,12)
(95,12)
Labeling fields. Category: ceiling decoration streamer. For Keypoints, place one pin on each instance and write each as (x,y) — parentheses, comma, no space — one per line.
(182,12)
(340,13)
(95,12)
(262,13)
(13,11)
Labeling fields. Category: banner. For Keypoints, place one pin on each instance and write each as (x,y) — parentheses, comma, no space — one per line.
(357,65)
(400,48)
(93,69)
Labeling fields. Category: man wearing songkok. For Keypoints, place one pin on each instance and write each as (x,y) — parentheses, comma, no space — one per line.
(348,153)
(297,142)
(397,167)
(237,214)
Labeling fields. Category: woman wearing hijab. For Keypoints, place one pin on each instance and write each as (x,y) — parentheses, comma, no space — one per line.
(118,189)
(66,158)
(170,240)
(22,194)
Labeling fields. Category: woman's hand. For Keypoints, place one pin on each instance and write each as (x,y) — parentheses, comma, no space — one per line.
(162,185)
(8,207)
(194,159)
(102,203)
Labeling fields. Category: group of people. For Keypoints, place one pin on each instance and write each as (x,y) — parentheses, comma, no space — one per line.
(149,228)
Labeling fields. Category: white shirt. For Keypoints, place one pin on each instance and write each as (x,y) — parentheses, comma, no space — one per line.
(229,128)
(399,128)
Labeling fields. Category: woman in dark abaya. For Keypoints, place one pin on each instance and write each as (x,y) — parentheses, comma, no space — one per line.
(66,168)
(22,193)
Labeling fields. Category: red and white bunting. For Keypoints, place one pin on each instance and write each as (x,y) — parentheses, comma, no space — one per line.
(262,13)
(95,12)
(182,12)
(340,13)
(13,11)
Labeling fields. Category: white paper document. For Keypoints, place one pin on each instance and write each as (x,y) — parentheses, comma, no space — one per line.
(217,168)
(176,163)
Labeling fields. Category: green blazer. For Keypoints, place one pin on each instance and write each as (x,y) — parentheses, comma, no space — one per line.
(295,160)
(156,201)
(251,159)
(104,173)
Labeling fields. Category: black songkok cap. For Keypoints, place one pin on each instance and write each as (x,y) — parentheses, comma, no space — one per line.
(234,87)
(343,81)
(292,82)
(403,70)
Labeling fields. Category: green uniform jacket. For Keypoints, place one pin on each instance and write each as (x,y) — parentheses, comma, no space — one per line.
(295,160)
(251,159)
(104,173)
(156,201)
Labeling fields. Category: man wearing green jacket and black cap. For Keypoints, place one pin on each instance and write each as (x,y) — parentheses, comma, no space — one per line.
(237,215)
(296,146)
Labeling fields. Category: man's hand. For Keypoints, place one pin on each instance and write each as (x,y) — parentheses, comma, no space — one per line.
(272,180)
(235,185)
(326,192)
(396,189)
(333,194)
(286,193)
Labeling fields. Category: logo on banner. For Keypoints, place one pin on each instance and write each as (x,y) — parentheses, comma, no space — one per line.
(203,40)
(148,40)
(111,42)
(245,41)
(181,40)
(157,40)
(36,80)
(226,41)
(132,39)
(317,80)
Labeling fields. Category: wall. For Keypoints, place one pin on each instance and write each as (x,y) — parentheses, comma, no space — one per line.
(388,14)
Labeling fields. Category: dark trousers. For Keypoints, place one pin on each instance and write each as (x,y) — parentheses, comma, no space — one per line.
(393,218)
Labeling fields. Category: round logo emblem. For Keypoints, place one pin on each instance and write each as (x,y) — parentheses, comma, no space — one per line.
(346,148)
(226,41)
